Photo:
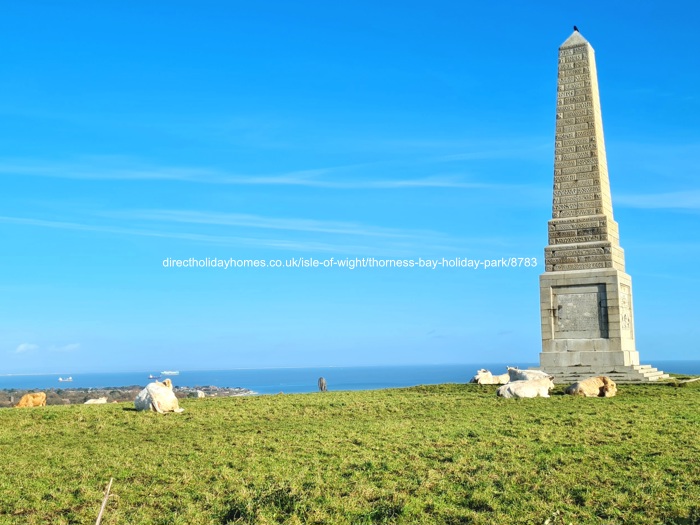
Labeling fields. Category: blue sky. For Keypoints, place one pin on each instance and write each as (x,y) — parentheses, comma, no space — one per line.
(136,132)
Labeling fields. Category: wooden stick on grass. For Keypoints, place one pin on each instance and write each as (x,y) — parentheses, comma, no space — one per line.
(104,502)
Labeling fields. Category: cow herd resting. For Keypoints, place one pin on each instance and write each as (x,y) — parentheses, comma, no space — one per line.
(159,397)
(533,383)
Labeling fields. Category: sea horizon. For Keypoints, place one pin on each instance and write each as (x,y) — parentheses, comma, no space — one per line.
(272,380)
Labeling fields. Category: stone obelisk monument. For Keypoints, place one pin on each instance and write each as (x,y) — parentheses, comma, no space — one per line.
(585,294)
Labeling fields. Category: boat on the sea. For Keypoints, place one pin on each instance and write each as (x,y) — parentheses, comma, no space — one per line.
(65,379)
(170,373)
(153,376)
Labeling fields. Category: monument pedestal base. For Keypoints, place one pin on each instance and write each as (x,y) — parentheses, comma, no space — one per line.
(587,327)
(595,359)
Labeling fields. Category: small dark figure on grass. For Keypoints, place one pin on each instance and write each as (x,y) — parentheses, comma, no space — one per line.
(322,384)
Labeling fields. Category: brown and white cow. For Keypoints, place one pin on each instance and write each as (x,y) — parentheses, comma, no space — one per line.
(599,386)
(37,399)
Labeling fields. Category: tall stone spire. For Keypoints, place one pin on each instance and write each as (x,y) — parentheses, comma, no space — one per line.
(586,296)
(582,232)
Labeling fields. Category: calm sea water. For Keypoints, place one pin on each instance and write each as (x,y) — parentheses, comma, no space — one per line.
(295,380)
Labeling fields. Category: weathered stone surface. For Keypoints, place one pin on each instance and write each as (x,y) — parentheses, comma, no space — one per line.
(585,295)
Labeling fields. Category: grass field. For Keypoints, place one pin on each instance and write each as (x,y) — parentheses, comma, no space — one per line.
(440,454)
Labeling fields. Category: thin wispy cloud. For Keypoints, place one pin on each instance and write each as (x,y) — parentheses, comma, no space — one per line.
(31,347)
(537,151)
(26,347)
(674,163)
(271,223)
(407,240)
(334,246)
(105,170)
(347,238)
(140,232)
(675,200)
(428,182)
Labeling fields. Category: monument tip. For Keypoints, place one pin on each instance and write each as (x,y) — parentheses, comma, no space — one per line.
(575,39)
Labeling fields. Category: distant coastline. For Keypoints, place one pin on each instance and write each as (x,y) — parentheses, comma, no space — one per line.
(121,394)
(297,380)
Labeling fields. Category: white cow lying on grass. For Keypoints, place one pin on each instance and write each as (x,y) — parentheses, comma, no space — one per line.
(484,377)
(530,388)
(96,401)
(600,386)
(158,397)
(516,374)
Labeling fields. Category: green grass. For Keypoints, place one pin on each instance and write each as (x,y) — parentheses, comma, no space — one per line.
(441,454)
